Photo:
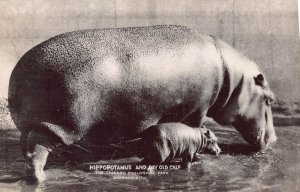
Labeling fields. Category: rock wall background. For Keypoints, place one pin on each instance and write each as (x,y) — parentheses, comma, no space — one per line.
(6,122)
(264,30)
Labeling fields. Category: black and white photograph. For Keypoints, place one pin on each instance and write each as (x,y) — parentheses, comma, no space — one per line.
(150,95)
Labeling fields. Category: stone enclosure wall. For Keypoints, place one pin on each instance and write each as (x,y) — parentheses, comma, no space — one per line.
(264,30)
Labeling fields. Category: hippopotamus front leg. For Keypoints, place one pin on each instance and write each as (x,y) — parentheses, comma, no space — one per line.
(195,119)
(180,114)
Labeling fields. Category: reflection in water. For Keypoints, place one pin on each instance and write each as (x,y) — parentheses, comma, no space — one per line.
(238,168)
(238,149)
(25,187)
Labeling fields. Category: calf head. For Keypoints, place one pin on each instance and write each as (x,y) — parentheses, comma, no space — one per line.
(211,143)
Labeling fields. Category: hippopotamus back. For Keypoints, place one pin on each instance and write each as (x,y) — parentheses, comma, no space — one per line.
(123,78)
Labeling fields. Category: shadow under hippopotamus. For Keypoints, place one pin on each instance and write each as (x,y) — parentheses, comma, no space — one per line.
(91,148)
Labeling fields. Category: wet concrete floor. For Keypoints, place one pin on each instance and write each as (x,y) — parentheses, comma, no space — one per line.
(238,168)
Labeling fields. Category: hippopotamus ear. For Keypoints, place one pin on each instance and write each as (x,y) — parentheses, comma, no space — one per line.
(259,80)
(268,95)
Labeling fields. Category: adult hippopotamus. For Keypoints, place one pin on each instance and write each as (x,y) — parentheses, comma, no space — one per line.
(121,81)
(166,141)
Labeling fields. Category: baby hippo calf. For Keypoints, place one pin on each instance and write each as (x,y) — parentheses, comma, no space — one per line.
(166,141)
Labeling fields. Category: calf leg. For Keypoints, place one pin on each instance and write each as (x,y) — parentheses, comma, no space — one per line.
(196,158)
(187,160)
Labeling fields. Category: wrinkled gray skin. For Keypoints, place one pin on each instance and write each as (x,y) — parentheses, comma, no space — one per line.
(166,141)
(118,82)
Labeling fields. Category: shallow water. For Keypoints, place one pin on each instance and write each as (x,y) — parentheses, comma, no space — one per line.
(237,168)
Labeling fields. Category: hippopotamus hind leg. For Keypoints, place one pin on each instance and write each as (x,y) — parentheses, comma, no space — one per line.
(39,143)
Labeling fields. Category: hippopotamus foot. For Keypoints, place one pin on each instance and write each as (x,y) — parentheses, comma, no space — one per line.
(38,146)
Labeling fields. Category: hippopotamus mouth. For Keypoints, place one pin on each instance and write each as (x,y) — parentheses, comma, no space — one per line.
(254,134)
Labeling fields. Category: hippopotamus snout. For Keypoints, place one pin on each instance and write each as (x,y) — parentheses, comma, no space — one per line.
(267,140)
(269,131)
(260,133)
(216,150)
(270,141)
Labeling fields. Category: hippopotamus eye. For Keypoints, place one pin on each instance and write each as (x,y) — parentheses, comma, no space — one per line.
(268,96)
(268,100)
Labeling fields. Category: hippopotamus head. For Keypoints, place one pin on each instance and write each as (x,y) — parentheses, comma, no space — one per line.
(211,143)
(249,111)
